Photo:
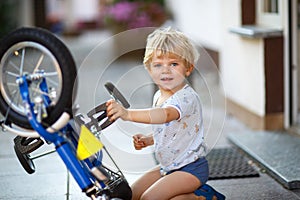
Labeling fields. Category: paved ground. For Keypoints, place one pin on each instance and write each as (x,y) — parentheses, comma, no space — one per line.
(51,180)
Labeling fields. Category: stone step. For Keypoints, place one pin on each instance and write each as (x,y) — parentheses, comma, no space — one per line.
(278,152)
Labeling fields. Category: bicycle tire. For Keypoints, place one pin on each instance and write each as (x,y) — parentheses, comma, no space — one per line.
(25,161)
(47,44)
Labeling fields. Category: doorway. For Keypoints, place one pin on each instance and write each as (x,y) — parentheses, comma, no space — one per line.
(295,65)
(297,59)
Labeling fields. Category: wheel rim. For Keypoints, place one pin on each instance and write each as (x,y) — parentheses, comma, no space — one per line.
(28,58)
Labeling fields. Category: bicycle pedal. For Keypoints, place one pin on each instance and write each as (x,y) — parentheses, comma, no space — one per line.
(27,145)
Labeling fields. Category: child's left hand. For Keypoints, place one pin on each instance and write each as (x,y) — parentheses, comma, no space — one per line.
(141,141)
(115,111)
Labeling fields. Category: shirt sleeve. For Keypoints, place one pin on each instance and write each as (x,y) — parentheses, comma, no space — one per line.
(183,102)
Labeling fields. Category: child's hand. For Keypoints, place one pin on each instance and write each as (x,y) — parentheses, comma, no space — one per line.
(141,141)
(115,111)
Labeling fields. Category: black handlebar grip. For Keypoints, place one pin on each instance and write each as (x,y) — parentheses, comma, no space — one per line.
(116,94)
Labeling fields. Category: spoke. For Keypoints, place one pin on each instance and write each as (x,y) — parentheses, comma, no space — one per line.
(9,107)
(22,62)
(55,83)
(14,66)
(13,95)
(16,99)
(38,63)
(35,90)
(14,92)
(13,87)
(19,100)
(46,74)
(38,91)
(12,84)
(12,74)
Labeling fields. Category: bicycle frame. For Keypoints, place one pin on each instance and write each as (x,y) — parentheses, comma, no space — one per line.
(65,145)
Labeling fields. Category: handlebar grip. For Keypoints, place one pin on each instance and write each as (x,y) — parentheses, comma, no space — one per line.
(116,94)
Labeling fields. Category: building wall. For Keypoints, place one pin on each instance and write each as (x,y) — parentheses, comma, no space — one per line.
(69,12)
(199,19)
(241,59)
(242,62)
(242,67)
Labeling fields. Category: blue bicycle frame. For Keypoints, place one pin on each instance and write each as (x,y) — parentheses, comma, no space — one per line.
(65,145)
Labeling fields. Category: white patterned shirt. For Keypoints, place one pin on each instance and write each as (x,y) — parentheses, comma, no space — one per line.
(180,142)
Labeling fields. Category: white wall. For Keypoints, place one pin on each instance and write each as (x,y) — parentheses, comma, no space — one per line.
(73,11)
(199,19)
(242,62)
(87,10)
(243,72)
(241,59)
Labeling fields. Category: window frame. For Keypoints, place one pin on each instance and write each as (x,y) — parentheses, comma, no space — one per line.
(269,18)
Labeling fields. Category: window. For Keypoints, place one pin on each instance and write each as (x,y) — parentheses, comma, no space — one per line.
(270,6)
(269,13)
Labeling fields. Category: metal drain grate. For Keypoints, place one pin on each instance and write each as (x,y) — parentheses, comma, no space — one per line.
(226,163)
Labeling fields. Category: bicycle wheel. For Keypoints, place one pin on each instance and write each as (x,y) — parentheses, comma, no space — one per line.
(27,51)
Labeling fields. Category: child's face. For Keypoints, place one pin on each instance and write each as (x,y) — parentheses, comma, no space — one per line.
(168,71)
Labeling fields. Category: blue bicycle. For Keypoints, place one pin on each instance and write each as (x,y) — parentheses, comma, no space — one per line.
(37,84)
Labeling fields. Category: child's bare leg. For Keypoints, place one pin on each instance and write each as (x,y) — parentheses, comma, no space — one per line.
(144,182)
(190,196)
(171,186)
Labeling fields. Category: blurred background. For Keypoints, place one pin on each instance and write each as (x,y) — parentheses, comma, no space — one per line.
(73,16)
(248,77)
(252,43)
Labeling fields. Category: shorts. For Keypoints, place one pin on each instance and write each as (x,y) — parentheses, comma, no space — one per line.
(198,168)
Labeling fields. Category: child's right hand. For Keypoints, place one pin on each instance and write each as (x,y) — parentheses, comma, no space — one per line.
(115,111)
(141,141)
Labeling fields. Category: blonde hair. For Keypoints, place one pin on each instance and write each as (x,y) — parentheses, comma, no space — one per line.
(168,40)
